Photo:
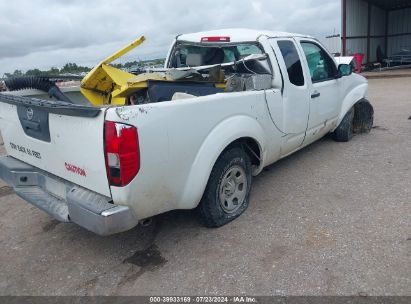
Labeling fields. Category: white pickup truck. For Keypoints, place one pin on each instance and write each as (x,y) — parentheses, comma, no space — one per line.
(227,104)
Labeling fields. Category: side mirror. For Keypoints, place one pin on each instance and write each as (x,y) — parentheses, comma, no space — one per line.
(344,70)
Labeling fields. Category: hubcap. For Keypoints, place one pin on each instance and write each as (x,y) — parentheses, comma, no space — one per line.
(233,189)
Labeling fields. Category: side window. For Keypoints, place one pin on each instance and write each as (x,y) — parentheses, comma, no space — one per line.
(248,49)
(320,64)
(292,62)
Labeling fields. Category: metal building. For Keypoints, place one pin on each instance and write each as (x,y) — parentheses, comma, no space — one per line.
(369,24)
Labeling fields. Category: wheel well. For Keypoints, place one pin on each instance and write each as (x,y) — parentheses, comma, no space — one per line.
(363,116)
(251,147)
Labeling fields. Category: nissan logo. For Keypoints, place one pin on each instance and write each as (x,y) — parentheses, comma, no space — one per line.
(29,113)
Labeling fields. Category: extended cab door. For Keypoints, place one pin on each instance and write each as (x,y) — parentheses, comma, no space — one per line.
(320,70)
(292,115)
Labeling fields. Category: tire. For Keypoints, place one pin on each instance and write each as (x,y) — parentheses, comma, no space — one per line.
(228,189)
(344,131)
(363,117)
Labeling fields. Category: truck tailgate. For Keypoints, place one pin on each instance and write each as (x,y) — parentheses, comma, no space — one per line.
(61,138)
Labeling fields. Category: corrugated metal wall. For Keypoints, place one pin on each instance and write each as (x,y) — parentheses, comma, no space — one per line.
(357,24)
(357,28)
(357,16)
(399,22)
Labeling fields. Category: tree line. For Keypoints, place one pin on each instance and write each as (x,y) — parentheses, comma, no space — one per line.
(68,68)
(73,68)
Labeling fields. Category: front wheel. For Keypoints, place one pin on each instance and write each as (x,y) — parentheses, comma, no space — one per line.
(359,119)
(228,189)
(344,131)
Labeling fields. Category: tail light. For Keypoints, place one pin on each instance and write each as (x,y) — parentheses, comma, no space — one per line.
(122,152)
(215,39)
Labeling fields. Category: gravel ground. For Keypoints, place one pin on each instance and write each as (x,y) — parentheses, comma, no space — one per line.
(332,219)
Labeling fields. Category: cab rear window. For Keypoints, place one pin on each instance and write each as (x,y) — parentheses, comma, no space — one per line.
(186,55)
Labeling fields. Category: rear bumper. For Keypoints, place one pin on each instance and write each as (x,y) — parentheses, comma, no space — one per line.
(66,201)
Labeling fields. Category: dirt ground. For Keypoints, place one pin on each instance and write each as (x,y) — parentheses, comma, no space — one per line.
(332,219)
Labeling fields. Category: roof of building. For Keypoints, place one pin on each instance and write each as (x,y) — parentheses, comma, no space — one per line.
(237,34)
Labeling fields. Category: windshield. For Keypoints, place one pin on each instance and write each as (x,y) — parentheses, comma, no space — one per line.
(192,55)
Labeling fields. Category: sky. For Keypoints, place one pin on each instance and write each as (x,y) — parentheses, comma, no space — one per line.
(49,33)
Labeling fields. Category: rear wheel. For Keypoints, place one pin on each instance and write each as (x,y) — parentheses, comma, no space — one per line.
(227,192)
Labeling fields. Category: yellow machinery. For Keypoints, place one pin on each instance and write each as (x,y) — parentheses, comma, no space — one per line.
(105,84)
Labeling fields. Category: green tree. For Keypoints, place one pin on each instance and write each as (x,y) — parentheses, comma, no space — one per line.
(34,72)
(17,73)
(53,71)
(73,68)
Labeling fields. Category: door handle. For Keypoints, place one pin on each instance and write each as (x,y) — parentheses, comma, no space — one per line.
(315,94)
(31,125)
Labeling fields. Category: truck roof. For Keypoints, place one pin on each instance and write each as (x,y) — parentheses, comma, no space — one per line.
(236,34)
